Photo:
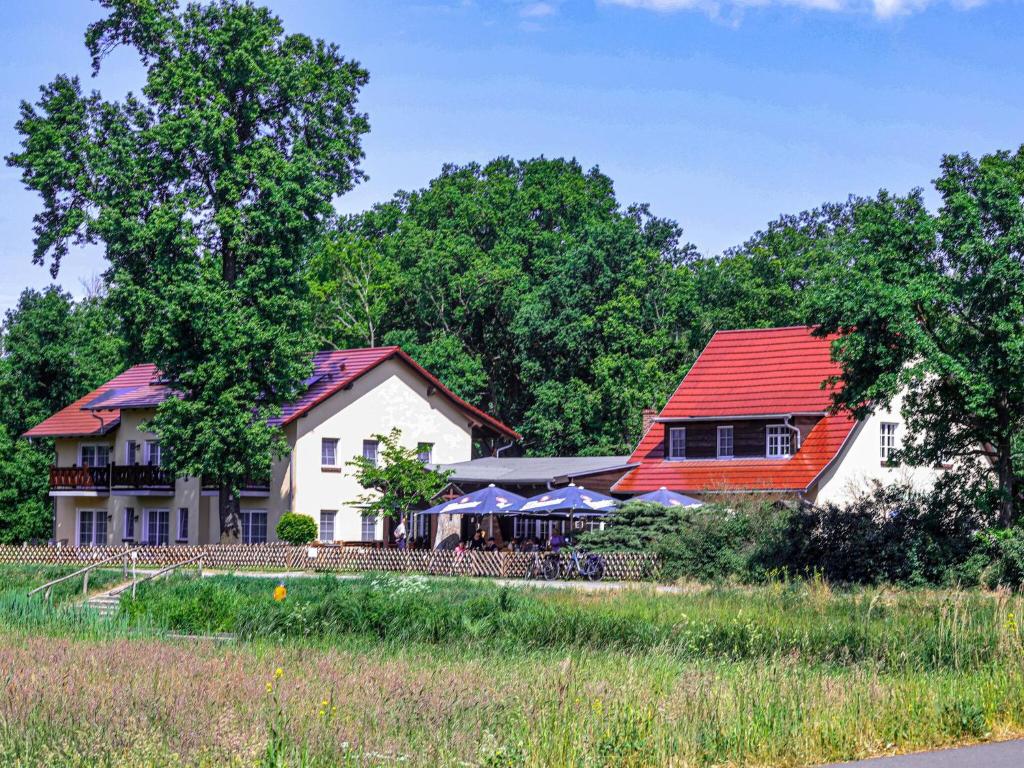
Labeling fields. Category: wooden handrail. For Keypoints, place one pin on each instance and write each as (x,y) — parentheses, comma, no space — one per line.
(166,569)
(48,586)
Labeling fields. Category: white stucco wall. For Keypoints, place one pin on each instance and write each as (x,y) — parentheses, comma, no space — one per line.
(859,464)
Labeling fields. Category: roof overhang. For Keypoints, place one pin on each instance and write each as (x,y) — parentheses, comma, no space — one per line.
(738,417)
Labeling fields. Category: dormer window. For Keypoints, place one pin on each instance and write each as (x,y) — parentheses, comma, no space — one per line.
(725,443)
(778,441)
(677,443)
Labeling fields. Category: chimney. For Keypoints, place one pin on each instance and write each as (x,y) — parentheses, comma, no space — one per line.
(647,417)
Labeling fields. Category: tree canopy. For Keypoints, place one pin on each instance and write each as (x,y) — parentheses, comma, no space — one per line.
(206,191)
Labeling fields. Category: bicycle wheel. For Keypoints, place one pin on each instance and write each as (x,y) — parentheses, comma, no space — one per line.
(592,568)
(550,568)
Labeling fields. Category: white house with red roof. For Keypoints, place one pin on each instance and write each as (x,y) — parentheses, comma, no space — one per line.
(753,416)
(109,486)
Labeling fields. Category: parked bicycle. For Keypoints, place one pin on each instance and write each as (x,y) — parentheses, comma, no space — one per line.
(583,565)
(544,566)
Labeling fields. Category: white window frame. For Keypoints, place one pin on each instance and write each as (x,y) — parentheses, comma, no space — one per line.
(131,452)
(672,432)
(146,514)
(94,515)
(182,516)
(93,446)
(332,515)
(333,442)
(887,439)
(371,451)
(129,522)
(368,523)
(425,453)
(784,434)
(420,526)
(153,450)
(732,447)
(246,520)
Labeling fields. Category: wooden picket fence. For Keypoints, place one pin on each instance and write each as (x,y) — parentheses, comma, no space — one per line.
(620,566)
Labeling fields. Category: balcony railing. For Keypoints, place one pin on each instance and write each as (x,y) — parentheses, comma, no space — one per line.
(140,477)
(249,487)
(80,479)
(135,477)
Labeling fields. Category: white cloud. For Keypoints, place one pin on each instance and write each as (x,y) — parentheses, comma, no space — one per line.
(882,9)
(537,10)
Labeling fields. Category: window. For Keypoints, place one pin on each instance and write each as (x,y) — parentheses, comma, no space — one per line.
(95,455)
(421,526)
(778,441)
(369,528)
(370,451)
(92,528)
(424,452)
(129,524)
(153,453)
(887,440)
(677,442)
(156,527)
(327,524)
(725,443)
(131,453)
(527,528)
(182,524)
(254,526)
(329,452)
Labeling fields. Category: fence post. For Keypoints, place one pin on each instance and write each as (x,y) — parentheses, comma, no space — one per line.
(199,568)
(85,583)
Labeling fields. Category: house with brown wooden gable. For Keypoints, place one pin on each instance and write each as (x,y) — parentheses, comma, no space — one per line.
(109,485)
(753,416)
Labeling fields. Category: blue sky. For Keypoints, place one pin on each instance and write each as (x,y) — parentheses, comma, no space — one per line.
(722,114)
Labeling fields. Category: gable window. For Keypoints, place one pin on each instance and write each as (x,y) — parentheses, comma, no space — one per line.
(424,451)
(778,439)
(370,451)
(369,532)
(153,453)
(131,453)
(677,442)
(95,455)
(725,443)
(182,524)
(327,517)
(329,452)
(129,524)
(887,440)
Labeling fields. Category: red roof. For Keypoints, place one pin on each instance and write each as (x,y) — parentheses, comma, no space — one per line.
(748,373)
(332,371)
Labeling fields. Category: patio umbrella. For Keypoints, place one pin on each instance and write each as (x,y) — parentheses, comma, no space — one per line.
(668,498)
(571,501)
(487,501)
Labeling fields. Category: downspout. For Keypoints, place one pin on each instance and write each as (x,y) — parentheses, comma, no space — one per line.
(497,453)
(785,423)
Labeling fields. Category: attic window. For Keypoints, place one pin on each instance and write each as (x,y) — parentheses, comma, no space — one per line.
(677,443)
(725,443)
(778,441)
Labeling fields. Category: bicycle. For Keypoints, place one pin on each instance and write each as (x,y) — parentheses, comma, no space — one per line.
(544,566)
(583,565)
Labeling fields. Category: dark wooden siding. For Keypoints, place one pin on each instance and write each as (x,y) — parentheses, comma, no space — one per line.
(748,436)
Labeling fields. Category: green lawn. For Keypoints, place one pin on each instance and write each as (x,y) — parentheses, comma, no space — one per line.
(411,671)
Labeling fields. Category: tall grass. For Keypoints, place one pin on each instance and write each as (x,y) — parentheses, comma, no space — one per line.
(920,630)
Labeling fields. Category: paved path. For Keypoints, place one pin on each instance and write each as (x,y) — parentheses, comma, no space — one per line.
(1006,754)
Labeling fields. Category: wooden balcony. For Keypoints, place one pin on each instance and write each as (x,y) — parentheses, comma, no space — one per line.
(249,488)
(93,480)
(140,477)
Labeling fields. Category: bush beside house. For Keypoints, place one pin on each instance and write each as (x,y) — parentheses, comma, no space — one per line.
(296,529)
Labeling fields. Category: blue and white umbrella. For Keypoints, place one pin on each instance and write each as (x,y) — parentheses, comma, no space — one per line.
(486,501)
(667,498)
(572,500)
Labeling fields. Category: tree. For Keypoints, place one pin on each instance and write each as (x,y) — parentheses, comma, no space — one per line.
(933,306)
(399,480)
(535,295)
(206,192)
(52,352)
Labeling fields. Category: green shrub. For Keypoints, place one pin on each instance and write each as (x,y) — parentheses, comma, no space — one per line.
(296,529)
(1005,549)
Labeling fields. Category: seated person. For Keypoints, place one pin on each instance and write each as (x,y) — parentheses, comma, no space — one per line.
(491,545)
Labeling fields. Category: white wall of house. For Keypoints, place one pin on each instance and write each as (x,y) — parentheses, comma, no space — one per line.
(859,465)
(391,395)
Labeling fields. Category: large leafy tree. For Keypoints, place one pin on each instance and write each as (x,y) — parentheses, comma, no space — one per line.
(933,306)
(533,293)
(52,351)
(206,191)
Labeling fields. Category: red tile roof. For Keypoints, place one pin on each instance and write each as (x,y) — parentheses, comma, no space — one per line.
(759,372)
(332,372)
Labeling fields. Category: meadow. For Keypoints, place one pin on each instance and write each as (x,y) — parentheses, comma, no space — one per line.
(383,670)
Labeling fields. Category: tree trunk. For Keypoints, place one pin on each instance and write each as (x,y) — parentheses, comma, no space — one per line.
(1007,485)
(230,519)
